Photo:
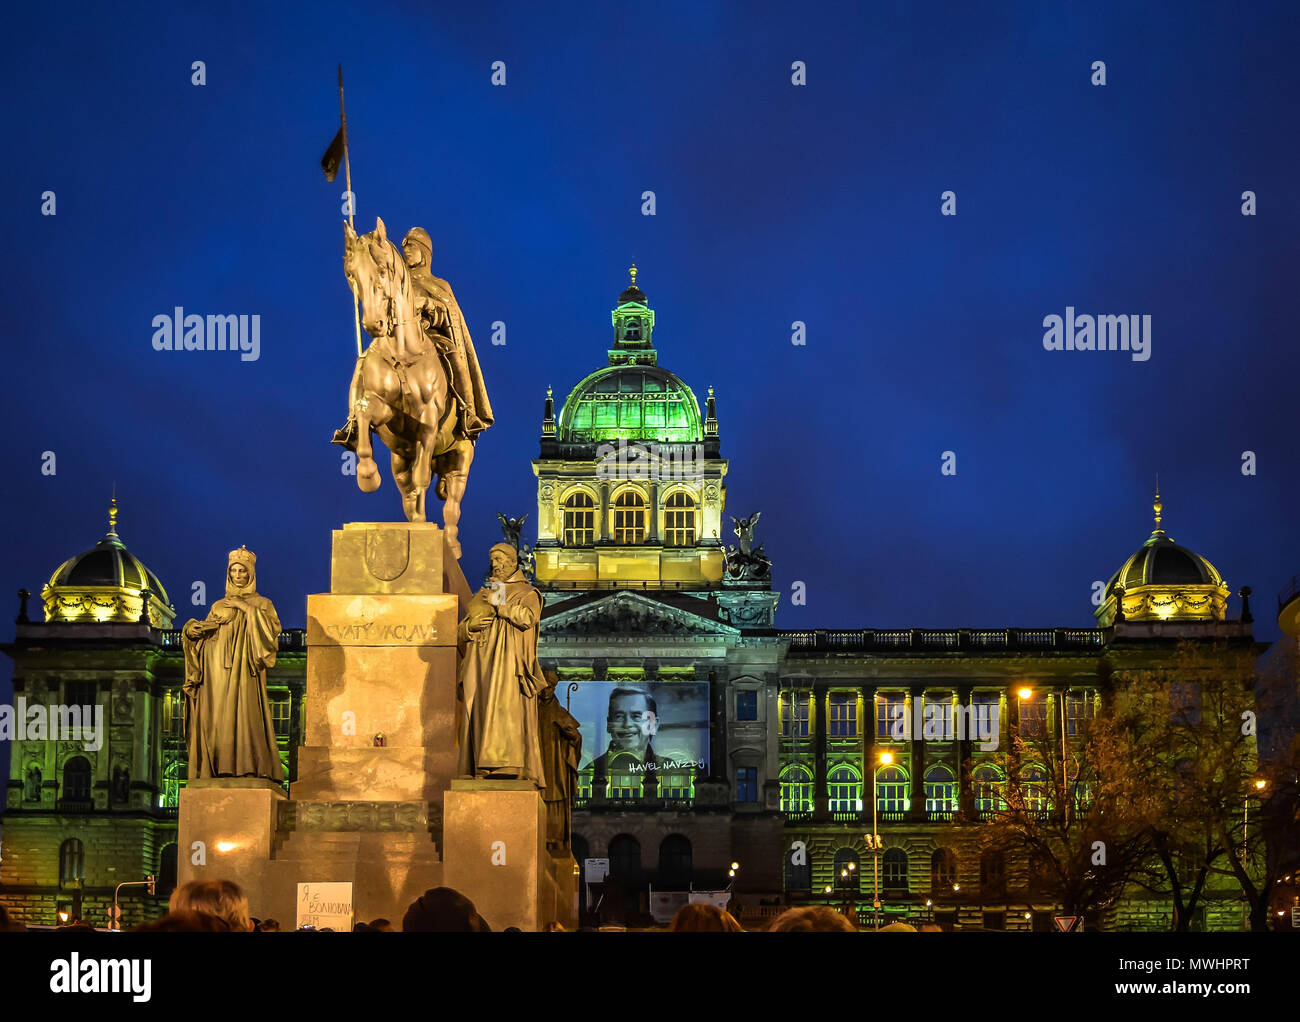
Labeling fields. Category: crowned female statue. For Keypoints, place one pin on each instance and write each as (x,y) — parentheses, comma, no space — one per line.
(228,724)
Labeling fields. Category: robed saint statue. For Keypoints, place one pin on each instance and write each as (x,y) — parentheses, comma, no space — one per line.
(500,678)
(229,727)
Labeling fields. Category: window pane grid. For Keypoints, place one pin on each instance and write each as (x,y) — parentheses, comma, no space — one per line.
(629,518)
(679,520)
(579,520)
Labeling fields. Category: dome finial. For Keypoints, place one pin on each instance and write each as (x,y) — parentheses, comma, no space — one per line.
(631,271)
(112,513)
(1158,507)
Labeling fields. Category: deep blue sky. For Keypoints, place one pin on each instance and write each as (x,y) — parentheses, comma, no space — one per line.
(775,204)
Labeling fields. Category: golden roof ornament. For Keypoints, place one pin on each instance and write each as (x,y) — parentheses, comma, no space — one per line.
(632,273)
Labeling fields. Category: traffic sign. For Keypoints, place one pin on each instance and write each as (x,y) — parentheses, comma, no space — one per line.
(1068,924)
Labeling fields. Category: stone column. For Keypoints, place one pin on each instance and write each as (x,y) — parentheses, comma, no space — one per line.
(867,694)
(717,727)
(916,749)
(606,514)
(963,723)
(821,799)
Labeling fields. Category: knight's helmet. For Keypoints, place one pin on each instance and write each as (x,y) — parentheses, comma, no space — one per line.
(419,238)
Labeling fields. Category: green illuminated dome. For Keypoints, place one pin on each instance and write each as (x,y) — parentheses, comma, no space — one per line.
(631,402)
(632,398)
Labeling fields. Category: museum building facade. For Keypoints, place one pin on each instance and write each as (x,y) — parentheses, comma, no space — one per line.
(802,777)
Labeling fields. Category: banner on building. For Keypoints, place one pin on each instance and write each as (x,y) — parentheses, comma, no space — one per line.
(629,728)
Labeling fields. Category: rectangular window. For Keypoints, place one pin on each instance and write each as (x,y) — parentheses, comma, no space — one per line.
(174,716)
(281,715)
(936,717)
(677,786)
(1079,709)
(81,693)
(747,705)
(984,716)
(844,715)
(794,715)
(891,709)
(747,784)
(1033,715)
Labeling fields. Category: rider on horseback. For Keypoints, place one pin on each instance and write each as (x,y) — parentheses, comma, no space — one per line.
(444,326)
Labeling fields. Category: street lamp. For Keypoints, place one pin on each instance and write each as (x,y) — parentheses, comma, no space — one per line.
(874,842)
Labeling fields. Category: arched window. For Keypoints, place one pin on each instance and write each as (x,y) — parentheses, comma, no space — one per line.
(1033,788)
(796,789)
(988,790)
(76,780)
(631,329)
(625,857)
(943,872)
(940,791)
(72,861)
(893,870)
(675,867)
(993,872)
(892,795)
(679,519)
(166,870)
(629,517)
(847,870)
(579,519)
(844,786)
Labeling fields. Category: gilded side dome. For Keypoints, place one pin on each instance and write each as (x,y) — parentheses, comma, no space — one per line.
(106,584)
(1163,581)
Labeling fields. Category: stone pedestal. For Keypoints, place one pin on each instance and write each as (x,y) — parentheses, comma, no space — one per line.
(381,668)
(228,825)
(376,803)
(494,852)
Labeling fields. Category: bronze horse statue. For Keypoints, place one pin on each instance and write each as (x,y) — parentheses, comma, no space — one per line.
(401,387)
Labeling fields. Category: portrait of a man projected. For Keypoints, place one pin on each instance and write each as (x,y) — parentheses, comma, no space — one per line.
(634,728)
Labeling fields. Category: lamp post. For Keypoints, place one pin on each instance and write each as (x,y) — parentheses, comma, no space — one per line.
(874,842)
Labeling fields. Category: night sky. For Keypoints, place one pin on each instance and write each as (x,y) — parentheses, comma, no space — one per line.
(775,203)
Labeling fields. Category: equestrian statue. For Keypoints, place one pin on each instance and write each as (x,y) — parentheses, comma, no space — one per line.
(418,384)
